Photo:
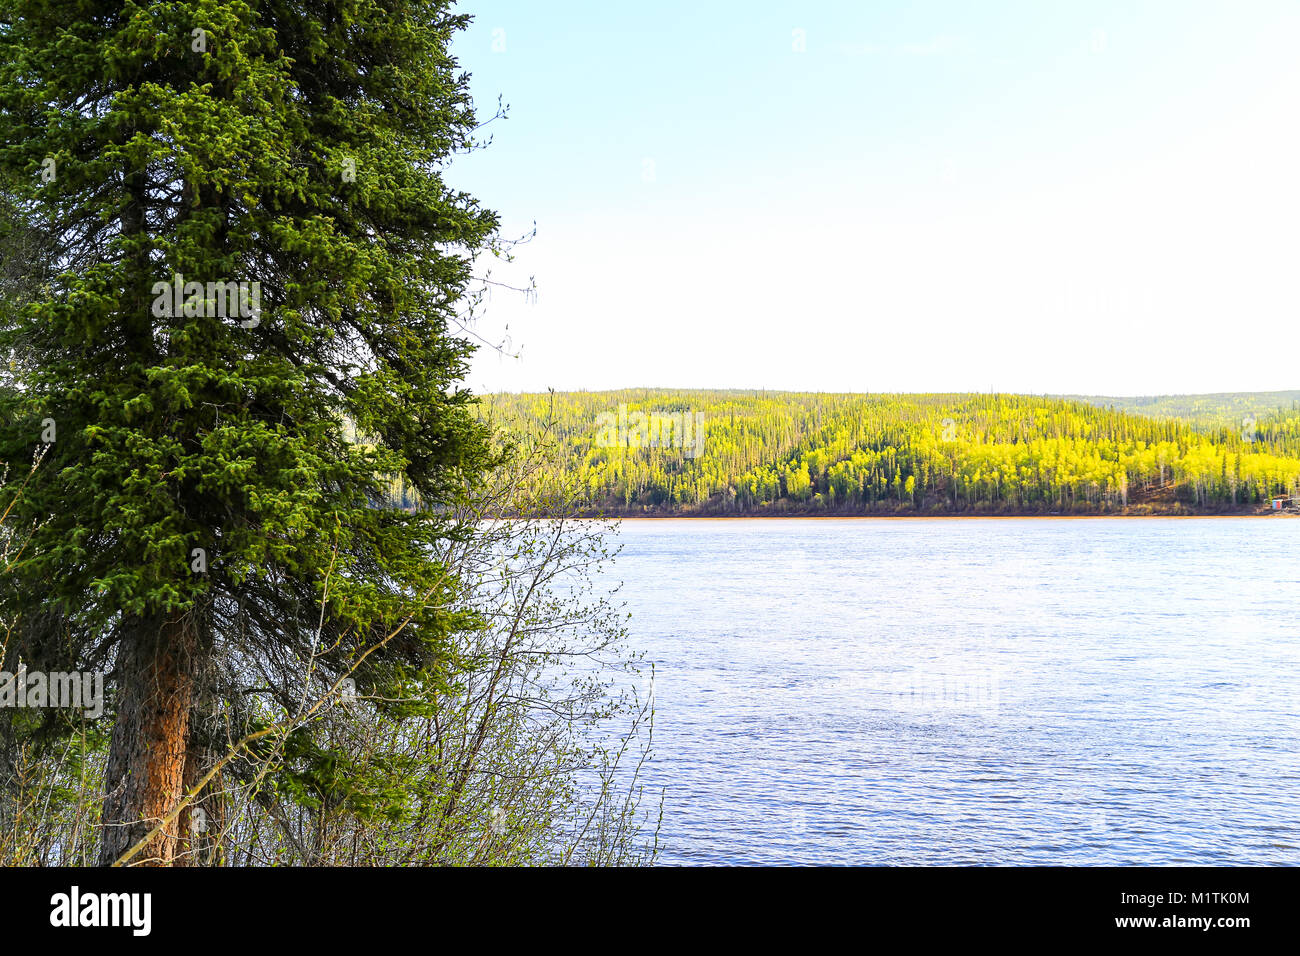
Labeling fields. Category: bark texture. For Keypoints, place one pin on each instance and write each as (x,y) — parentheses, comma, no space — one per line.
(147,754)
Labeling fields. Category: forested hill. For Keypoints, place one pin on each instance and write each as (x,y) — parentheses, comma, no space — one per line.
(649,451)
(1208,411)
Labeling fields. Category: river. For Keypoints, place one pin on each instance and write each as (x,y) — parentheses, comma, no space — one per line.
(971,691)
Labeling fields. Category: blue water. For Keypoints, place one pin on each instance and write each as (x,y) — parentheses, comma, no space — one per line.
(972,691)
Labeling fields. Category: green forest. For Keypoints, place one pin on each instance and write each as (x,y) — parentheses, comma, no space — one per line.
(763,453)
(1211,410)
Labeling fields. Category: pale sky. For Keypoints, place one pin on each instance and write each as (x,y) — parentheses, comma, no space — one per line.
(1093,198)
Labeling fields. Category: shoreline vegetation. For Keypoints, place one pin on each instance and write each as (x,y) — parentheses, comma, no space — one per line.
(753,454)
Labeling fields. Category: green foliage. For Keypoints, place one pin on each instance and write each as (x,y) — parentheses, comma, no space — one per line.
(197,431)
(196,467)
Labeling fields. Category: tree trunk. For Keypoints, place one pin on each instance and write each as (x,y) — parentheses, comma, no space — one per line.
(146,759)
(201,825)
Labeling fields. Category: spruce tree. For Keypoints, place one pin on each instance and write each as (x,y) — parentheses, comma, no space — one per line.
(233,269)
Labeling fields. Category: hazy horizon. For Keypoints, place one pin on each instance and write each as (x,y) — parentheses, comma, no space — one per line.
(1292,393)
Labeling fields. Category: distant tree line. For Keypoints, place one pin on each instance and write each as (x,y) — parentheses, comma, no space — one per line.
(777,452)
